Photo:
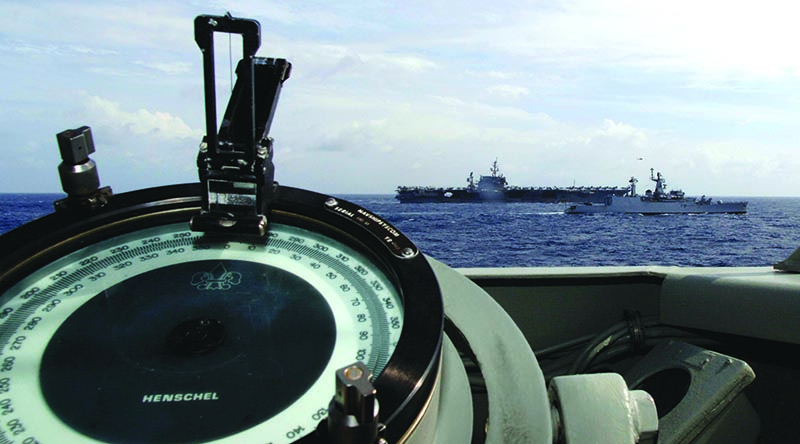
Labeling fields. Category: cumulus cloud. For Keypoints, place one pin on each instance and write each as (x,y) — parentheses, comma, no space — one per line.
(621,131)
(158,124)
(140,146)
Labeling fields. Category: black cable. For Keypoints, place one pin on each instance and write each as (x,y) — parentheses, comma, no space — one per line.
(635,329)
(571,344)
(602,340)
(606,339)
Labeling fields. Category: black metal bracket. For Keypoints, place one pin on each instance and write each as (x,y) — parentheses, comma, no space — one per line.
(235,164)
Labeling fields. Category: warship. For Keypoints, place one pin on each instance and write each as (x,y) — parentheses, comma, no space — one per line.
(238,310)
(495,188)
(658,201)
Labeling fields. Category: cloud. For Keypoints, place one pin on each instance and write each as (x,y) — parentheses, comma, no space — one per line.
(621,131)
(575,89)
(169,68)
(51,49)
(708,41)
(316,61)
(81,49)
(508,92)
(101,26)
(302,16)
(493,74)
(410,63)
(140,147)
(759,163)
(358,137)
(157,124)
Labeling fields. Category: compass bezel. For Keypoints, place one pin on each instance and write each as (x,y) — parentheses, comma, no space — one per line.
(406,384)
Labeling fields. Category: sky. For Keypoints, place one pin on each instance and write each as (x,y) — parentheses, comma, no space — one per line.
(560,93)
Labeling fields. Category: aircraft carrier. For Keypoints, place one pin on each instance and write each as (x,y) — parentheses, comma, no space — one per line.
(495,188)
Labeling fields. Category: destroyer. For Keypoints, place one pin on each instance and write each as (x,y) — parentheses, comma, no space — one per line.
(657,202)
(495,188)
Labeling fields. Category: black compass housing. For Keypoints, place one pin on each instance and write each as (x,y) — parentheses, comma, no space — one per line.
(404,387)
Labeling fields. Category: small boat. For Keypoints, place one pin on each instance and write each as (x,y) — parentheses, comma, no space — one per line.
(657,202)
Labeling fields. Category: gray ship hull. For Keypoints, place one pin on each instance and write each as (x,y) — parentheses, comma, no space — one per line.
(511,194)
(644,205)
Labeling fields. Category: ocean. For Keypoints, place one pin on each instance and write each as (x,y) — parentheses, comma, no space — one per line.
(540,235)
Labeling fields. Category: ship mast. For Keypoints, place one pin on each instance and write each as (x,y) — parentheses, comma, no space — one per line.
(633,185)
(660,184)
(495,169)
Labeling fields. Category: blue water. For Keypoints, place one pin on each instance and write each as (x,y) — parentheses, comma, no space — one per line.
(17,209)
(527,234)
(540,235)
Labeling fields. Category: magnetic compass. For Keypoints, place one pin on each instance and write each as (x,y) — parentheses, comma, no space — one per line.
(277,315)
(129,327)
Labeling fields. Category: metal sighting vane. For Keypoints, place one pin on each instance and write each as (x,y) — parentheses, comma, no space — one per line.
(235,164)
